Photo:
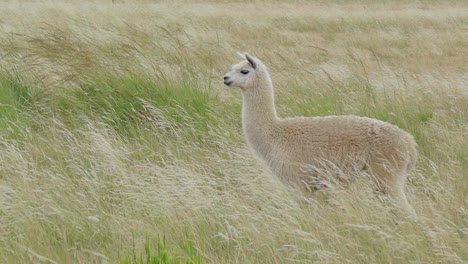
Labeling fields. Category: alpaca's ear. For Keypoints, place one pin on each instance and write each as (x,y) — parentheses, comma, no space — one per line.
(241,55)
(251,61)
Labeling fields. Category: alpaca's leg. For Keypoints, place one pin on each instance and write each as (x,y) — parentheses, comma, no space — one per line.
(392,181)
(397,193)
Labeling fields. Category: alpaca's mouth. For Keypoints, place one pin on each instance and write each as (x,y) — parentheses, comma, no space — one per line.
(228,83)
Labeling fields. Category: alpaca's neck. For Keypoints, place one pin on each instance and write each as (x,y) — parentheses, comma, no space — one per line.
(258,108)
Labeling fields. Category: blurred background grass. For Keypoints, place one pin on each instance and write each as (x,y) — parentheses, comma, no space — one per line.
(116,130)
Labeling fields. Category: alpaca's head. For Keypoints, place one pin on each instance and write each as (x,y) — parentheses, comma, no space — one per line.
(246,73)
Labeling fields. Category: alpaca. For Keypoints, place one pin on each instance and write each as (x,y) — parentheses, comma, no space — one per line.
(301,150)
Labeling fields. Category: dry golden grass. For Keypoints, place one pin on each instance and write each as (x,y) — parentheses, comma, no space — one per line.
(115,126)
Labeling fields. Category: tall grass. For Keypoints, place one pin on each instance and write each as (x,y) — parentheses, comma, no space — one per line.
(116,131)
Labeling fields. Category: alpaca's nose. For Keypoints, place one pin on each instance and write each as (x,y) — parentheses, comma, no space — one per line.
(226,81)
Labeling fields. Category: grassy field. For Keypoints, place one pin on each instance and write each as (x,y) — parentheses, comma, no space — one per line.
(119,142)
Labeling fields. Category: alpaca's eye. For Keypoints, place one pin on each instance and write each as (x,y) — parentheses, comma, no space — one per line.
(244,72)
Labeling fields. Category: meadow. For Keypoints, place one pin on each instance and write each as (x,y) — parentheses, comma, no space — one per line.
(119,142)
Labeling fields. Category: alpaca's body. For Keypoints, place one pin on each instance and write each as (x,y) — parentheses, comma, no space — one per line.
(299,150)
(294,147)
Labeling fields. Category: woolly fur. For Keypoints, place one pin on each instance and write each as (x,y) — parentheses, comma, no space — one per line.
(311,152)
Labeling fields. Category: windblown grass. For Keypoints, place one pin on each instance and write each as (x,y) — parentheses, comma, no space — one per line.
(116,130)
